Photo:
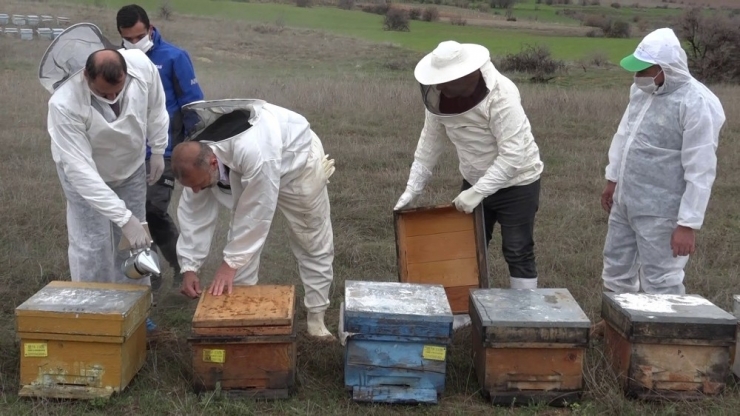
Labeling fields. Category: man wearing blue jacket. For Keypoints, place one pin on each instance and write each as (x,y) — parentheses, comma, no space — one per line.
(181,88)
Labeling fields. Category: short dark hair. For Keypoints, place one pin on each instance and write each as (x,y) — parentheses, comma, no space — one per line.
(111,70)
(129,15)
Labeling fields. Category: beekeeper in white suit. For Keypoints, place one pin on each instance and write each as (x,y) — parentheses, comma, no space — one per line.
(253,157)
(479,110)
(99,120)
(662,164)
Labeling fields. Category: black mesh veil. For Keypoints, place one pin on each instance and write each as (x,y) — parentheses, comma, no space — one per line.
(68,52)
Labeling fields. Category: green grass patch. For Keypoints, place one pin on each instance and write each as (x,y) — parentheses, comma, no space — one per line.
(423,36)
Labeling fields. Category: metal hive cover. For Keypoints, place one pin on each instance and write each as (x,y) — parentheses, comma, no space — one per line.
(643,307)
(81,300)
(529,308)
(394,298)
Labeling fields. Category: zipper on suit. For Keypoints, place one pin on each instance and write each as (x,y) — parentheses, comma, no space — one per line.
(628,144)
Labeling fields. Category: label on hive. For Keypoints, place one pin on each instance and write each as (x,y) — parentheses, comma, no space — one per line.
(214,356)
(35,350)
(434,352)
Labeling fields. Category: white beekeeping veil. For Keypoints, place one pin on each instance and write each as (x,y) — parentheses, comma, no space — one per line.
(68,53)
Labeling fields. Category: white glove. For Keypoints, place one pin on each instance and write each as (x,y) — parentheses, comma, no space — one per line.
(135,233)
(156,167)
(468,200)
(407,198)
(328,165)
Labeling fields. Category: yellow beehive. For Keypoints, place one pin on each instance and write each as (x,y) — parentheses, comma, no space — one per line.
(82,340)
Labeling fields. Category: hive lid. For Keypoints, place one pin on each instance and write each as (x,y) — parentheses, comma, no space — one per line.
(407,300)
(80,307)
(667,316)
(247,306)
(529,308)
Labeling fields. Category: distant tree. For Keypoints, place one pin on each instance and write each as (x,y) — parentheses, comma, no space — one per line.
(713,45)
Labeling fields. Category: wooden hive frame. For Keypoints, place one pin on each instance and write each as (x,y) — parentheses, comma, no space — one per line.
(440,245)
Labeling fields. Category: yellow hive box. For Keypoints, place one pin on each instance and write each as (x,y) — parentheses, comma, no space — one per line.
(82,340)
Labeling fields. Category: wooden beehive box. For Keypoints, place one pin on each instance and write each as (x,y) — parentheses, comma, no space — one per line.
(440,245)
(667,346)
(397,348)
(82,340)
(528,345)
(245,343)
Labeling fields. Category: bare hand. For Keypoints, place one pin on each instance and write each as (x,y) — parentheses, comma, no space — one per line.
(683,241)
(190,285)
(224,279)
(607,197)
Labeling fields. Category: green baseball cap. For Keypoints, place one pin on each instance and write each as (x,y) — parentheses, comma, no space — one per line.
(632,64)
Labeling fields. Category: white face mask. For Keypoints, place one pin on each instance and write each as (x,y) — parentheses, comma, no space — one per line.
(647,84)
(113,101)
(107,101)
(144,44)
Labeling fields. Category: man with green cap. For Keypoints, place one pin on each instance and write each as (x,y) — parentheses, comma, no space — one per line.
(662,164)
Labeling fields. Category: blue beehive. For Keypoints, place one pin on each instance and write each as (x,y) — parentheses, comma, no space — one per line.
(399,333)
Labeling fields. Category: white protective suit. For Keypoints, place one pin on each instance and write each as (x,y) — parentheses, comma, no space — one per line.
(663,161)
(100,162)
(275,163)
(493,140)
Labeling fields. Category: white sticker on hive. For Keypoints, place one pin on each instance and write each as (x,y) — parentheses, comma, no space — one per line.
(657,303)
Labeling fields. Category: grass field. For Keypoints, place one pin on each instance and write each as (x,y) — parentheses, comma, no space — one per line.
(363,103)
(421,37)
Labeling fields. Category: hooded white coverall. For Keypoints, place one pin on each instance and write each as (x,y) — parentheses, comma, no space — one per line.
(100,163)
(275,163)
(663,161)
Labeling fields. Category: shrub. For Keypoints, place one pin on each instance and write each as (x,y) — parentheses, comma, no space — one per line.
(397,20)
(595,33)
(616,5)
(713,49)
(166,10)
(462,4)
(536,60)
(458,20)
(611,28)
(599,59)
(346,4)
(430,14)
(502,4)
(617,29)
(381,9)
(303,3)
(593,20)
(415,14)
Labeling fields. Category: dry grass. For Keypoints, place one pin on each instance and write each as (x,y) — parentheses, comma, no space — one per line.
(369,118)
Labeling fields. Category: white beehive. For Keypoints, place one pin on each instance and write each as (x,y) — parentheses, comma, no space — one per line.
(44,33)
(26,34)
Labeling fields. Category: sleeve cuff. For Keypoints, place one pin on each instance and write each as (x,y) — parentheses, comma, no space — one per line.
(232,263)
(693,225)
(127,216)
(189,268)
